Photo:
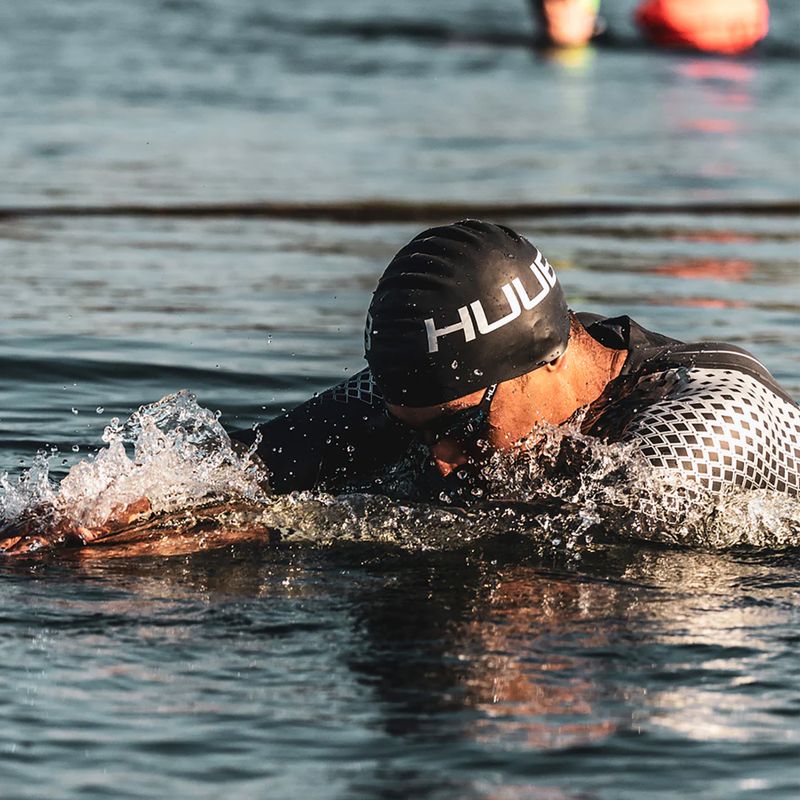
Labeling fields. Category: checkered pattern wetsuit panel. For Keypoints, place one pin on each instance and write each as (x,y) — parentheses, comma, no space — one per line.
(360,387)
(723,427)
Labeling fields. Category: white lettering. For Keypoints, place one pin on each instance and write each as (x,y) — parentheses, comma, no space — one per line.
(531,302)
(434,333)
(515,294)
(546,269)
(480,314)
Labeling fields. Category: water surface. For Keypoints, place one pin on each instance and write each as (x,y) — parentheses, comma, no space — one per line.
(502,667)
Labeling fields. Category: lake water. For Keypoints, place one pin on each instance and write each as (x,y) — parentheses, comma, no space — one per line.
(336,666)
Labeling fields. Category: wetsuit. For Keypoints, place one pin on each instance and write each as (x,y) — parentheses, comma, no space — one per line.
(711,410)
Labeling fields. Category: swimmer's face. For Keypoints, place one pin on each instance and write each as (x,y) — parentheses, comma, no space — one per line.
(501,418)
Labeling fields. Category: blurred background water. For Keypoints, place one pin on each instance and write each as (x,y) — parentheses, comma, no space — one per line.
(104,101)
(360,672)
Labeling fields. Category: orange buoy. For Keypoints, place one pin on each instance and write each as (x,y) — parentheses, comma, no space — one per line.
(716,26)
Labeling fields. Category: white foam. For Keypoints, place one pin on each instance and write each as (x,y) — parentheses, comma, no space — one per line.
(173,452)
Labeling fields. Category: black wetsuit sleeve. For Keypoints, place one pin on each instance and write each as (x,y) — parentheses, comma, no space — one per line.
(341,436)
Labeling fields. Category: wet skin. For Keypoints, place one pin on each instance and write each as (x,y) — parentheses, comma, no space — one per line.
(552,394)
(37,535)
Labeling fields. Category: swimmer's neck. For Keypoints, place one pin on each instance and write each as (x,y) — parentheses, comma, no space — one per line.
(592,369)
(576,379)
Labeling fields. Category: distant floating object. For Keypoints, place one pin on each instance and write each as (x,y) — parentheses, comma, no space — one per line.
(714,26)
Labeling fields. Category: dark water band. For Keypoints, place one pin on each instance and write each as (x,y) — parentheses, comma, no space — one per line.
(379,211)
(428,32)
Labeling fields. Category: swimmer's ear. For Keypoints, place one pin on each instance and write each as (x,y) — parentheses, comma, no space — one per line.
(557,364)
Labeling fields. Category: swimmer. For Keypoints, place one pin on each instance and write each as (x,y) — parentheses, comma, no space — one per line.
(566,23)
(472,350)
(471,347)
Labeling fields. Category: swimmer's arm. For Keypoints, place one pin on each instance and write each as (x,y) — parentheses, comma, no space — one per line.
(340,436)
(42,529)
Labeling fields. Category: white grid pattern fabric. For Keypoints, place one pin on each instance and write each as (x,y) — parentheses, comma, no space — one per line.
(360,387)
(725,428)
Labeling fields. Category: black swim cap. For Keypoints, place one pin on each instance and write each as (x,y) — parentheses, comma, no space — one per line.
(459,308)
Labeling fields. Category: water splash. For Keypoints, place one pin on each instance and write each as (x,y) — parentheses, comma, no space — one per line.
(590,488)
(173,452)
(32,490)
(564,491)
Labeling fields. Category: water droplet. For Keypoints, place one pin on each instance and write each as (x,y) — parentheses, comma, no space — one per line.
(74,410)
(76,448)
(99,410)
(478,372)
(454,365)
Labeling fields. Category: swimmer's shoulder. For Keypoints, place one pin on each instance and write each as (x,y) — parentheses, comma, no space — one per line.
(652,352)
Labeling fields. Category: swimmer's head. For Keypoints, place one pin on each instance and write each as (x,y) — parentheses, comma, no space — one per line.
(459,308)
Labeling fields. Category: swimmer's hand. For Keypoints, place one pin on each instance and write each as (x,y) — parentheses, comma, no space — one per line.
(40,531)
